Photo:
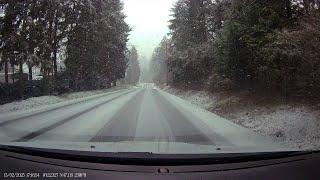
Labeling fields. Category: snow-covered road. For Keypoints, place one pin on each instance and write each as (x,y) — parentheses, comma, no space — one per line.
(137,114)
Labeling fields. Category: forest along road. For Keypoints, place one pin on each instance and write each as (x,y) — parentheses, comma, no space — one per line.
(144,114)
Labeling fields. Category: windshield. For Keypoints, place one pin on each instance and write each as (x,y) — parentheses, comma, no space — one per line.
(160,76)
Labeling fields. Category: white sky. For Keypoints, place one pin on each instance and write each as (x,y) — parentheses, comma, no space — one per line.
(149,22)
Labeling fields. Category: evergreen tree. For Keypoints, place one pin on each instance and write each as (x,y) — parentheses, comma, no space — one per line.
(159,62)
(92,34)
(133,71)
(190,51)
(250,25)
(97,44)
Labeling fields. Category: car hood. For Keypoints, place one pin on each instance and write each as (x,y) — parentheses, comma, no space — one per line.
(150,147)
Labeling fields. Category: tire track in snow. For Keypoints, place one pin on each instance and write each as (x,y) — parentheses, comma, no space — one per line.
(48,128)
(10,121)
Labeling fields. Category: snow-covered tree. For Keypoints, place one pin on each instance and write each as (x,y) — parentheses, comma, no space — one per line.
(133,71)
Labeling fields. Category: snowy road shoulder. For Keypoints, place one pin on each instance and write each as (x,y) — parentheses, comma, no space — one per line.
(39,102)
(240,137)
(292,125)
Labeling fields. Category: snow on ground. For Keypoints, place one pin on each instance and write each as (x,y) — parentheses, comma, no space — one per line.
(199,98)
(30,103)
(47,100)
(293,125)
